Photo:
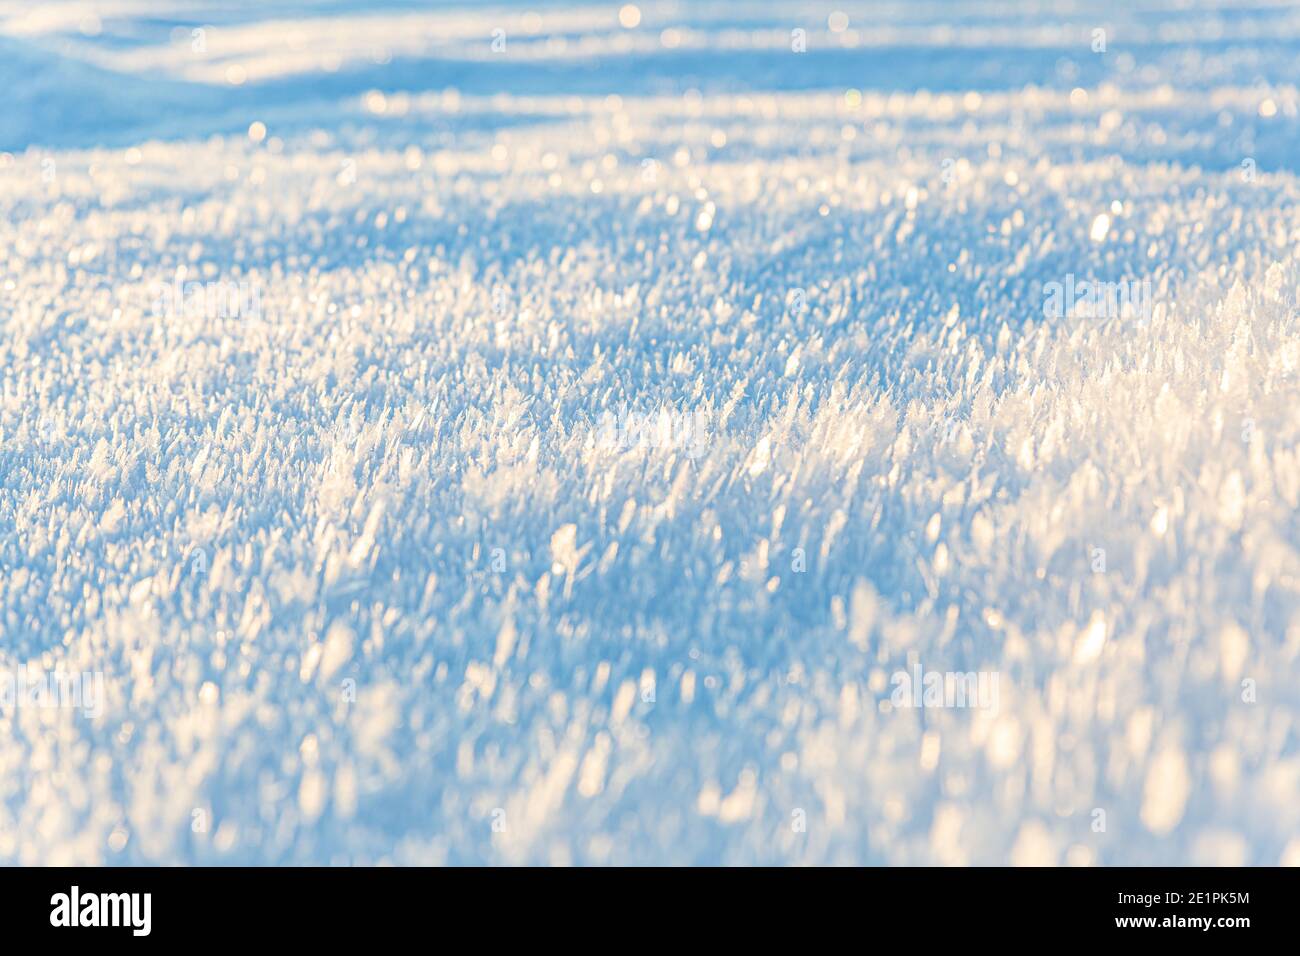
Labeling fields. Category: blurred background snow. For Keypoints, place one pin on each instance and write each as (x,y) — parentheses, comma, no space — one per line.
(370,578)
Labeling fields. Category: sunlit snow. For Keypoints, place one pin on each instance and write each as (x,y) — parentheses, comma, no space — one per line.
(649,433)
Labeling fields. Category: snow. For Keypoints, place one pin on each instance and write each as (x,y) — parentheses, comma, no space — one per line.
(568,453)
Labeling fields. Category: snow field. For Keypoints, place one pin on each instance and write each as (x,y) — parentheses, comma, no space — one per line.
(369,579)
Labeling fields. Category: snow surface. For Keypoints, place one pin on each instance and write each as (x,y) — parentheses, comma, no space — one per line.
(380,569)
